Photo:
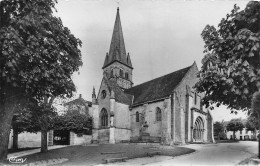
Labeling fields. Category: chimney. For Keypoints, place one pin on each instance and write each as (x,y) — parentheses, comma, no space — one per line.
(80,96)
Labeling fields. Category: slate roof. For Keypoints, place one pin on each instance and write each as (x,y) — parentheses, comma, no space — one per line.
(157,88)
(120,96)
(79,101)
(117,50)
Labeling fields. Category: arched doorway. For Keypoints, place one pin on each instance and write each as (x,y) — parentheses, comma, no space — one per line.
(198,130)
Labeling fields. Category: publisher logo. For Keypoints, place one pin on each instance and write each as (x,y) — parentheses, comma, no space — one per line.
(15,160)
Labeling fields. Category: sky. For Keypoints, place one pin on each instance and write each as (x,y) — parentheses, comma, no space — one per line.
(161,36)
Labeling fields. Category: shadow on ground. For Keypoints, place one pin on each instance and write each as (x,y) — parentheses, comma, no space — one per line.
(91,155)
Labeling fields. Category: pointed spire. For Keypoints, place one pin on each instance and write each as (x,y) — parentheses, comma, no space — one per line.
(94,100)
(93,93)
(117,50)
(128,60)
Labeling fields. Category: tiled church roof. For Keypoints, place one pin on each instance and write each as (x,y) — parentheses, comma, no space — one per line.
(157,88)
(120,96)
(117,50)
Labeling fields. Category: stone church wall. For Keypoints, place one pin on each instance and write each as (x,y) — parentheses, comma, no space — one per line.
(103,103)
(122,116)
(154,126)
(135,126)
(180,103)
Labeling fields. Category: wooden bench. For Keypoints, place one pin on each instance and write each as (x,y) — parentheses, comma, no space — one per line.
(110,160)
(152,147)
(150,154)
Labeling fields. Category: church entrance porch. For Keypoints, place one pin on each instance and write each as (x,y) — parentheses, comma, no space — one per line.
(198,131)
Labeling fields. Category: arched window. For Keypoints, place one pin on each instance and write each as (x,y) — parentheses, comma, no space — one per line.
(104,117)
(112,73)
(126,75)
(121,73)
(137,116)
(158,114)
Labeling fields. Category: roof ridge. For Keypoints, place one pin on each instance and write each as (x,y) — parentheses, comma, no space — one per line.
(161,76)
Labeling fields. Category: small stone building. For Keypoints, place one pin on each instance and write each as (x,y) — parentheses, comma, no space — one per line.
(166,109)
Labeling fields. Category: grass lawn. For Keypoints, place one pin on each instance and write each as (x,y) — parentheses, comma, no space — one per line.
(91,155)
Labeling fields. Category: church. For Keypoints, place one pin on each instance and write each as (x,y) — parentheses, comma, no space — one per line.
(166,110)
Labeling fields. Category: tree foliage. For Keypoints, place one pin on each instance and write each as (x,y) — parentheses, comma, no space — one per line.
(252,122)
(23,121)
(218,128)
(235,125)
(37,58)
(231,65)
(74,121)
(38,54)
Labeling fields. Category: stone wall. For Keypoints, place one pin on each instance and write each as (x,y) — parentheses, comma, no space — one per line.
(79,140)
(27,139)
(122,135)
(103,135)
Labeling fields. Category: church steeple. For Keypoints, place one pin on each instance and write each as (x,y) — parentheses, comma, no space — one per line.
(118,65)
(117,51)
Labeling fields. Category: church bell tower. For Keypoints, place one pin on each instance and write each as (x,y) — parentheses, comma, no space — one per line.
(117,65)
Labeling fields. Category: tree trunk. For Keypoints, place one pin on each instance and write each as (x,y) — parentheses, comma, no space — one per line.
(44,140)
(15,137)
(6,115)
(9,99)
(45,124)
(257,136)
(234,135)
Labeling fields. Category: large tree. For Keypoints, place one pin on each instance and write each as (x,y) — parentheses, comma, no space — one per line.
(37,58)
(235,125)
(231,69)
